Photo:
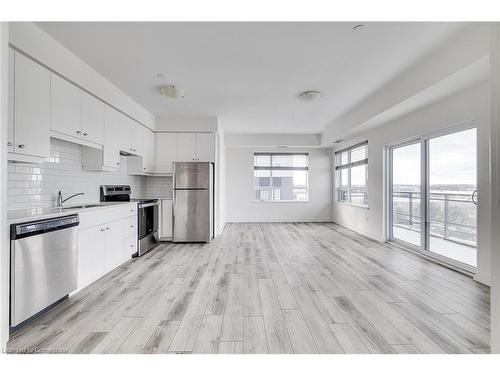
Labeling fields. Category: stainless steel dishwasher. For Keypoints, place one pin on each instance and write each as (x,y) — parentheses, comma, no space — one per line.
(43,265)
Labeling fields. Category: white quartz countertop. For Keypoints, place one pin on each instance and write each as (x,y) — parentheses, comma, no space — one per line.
(20,216)
(152,197)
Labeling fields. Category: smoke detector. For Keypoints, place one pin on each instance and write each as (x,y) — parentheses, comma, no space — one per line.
(310,95)
(172,92)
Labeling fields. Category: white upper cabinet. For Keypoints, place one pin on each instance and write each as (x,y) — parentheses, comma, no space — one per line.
(148,150)
(166,152)
(113,132)
(186,147)
(31,108)
(173,147)
(205,147)
(66,107)
(10,122)
(196,147)
(145,163)
(131,136)
(92,119)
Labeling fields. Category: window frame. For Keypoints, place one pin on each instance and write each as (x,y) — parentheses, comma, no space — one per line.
(272,168)
(346,190)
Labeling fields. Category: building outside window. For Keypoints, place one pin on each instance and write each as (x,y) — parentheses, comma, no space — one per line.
(281,177)
(351,174)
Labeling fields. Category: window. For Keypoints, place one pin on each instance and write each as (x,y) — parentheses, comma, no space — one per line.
(351,174)
(280,177)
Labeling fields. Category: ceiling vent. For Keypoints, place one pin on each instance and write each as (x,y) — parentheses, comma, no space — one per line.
(172,92)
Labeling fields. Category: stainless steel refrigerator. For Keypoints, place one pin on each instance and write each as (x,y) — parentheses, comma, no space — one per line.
(193,202)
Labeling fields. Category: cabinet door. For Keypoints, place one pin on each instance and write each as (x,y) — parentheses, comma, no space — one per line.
(165,152)
(32,108)
(92,119)
(130,140)
(138,132)
(113,254)
(10,126)
(90,255)
(166,218)
(148,150)
(205,147)
(65,107)
(186,144)
(112,131)
(129,247)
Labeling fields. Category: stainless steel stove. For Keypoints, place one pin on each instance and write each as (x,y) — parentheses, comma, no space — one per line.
(147,211)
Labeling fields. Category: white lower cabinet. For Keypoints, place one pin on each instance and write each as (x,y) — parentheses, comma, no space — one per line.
(103,247)
(91,247)
(165,219)
(129,246)
(113,243)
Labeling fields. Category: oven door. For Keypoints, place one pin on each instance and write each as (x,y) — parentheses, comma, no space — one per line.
(148,218)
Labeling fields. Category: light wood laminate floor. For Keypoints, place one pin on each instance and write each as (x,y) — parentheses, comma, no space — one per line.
(270,288)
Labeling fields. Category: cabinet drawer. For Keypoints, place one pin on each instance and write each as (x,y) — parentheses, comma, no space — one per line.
(129,247)
(132,226)
(107,214)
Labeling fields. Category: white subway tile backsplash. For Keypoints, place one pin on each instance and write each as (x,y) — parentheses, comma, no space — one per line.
(160,187)
(36,186)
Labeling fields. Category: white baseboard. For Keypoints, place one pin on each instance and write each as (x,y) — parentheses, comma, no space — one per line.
(329,220)
(366,234)
(483,279)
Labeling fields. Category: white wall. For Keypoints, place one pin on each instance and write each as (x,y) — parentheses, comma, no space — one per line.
(495,188)
(272,139)
(221,183)
(35,42)
(240,206)
(186,123)
(468,105)
(4,239)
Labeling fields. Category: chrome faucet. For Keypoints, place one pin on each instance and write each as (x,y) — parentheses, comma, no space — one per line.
(60,199)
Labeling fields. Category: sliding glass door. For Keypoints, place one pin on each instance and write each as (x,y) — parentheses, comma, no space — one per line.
(406,193)
(433,196)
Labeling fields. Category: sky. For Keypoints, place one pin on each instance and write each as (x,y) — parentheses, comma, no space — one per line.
(452,160)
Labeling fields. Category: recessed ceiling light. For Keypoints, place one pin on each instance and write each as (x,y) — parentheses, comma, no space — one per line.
(358,27)
(310,95)
(160,75)
(172,92)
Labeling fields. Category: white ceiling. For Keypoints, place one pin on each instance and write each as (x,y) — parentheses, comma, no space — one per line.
(249,74)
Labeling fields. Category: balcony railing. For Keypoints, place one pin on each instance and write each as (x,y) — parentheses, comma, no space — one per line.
(452,215)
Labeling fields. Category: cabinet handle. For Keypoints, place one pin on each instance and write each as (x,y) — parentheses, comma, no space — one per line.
(9,143)
(78,132)
(131,245)
(21,146)
(102,229)
(85,134)
(107,228)
(117,163)
(131,226)
(131,210)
